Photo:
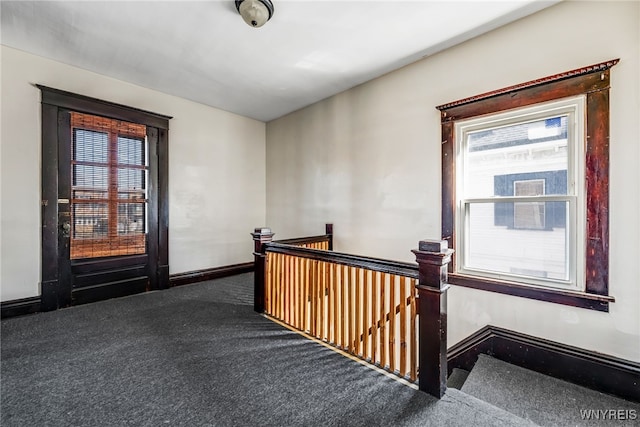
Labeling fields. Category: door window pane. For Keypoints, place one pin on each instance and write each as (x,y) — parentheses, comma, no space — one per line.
(131,179)
(90,176)
(90,220)
(131,151)
(90,146)
(131,218)
(107,170)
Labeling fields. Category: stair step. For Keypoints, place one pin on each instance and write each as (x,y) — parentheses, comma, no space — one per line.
(457,378)
(539,398)
(477,412)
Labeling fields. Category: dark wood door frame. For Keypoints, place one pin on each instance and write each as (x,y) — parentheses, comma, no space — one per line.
(55,282)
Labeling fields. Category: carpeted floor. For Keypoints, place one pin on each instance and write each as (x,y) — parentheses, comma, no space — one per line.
(542,399)
(198,355)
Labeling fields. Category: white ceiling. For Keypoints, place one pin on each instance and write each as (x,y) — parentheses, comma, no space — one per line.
(204,52)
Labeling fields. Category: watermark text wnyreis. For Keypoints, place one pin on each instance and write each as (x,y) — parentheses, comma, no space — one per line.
(609,414)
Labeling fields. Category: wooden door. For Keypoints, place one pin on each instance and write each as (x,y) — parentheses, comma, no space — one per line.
(108,227)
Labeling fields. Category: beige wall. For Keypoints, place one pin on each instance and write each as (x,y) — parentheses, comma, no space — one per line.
(368,160)
(216,171)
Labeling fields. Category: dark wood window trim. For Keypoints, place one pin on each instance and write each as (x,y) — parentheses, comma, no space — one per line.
(593,82)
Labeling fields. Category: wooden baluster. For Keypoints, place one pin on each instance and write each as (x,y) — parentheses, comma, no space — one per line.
(414,333)
(281,282)
(365,314)
(300,285)
(392,323)
(276,283)
(375,292)
(292,288)
(289,289)
(285,289)
(403,326)
(267,288)
(294,293)
(313,294)
(339,304)
(327,287)
(383,320)
(352,311)
(300,278)
(359,313)
(320,302)
(320,299)
(283,286)
(346,300)
(333,293)
(327,299)
(305,306)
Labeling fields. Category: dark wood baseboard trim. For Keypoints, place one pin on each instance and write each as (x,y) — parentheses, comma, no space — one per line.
(179,279)
(19,307)
(32,305)
(597,371)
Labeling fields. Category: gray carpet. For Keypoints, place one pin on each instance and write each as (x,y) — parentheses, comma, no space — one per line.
(541,399)
(198,355)
(457,378)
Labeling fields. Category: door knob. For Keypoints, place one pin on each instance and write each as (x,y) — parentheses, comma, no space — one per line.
(66,229)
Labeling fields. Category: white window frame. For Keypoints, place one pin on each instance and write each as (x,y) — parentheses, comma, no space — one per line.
(575,110)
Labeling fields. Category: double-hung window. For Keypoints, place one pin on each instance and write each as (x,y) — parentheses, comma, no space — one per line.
(520,203)
(525,188)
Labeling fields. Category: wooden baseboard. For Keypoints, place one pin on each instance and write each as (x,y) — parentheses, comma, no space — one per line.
(597,371)
(179,279)
(105,291)
(19,307)
(31,305)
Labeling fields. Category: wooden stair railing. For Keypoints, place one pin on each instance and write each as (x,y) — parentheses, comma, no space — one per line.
(368,307)
(323,241)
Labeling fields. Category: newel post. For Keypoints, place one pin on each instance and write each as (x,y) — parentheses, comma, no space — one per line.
(328,230)
(433,257)
(261,236)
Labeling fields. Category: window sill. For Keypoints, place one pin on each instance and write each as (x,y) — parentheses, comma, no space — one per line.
(557,296)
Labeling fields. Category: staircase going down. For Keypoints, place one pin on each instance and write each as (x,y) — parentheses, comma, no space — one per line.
(540,399)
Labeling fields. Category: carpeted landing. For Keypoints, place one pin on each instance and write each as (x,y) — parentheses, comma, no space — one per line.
(198,355)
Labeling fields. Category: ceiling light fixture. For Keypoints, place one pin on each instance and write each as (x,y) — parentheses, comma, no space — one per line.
(255,12)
